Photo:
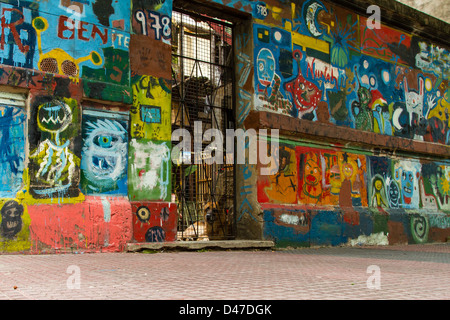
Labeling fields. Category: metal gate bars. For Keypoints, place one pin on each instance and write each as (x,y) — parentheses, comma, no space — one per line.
(202,99)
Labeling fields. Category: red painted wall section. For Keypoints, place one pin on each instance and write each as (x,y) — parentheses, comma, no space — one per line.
(154,221)
(99,224)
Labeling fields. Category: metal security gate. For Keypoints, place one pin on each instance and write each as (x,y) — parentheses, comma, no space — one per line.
(202,99)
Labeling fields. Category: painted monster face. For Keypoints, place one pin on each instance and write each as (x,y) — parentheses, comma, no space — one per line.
(394,194)
(54,116)
(312,173)
(11,213)
(407,184)
(265,67)
(305,94)
(105,148)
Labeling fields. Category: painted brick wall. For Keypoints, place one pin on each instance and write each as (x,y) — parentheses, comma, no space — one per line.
(380,178)
(81,156)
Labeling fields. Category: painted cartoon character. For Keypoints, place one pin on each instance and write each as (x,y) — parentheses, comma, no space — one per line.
(393,194)
(407,184)
(305,94)
(104,154)
(55,165)
(269,84)
(284,183)
(378,193)
(407,174)
(361,109)
(266,67)
(335,180)
(57,60)
(312,177)
(11,214)
(382,119)
(414,101)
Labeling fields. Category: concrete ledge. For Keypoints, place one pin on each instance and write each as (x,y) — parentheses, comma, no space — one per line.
(337,135)
(199,245)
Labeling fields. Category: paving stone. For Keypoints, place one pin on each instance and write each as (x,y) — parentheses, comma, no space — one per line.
(405,272)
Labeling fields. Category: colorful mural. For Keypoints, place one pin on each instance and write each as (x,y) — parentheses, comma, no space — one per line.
(281,187)
(149,170)
(60,151)
(151,110)
(92,38)
(326,64)
(373,197)
(314,176)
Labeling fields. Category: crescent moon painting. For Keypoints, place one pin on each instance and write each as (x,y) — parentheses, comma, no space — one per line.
(310,18)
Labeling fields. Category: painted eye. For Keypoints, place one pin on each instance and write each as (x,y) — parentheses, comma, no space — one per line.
(49,65)
(69,68)
(105,141)
(411,178)
(143,214)
(261,66)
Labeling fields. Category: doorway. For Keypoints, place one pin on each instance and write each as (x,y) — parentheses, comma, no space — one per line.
(202,99)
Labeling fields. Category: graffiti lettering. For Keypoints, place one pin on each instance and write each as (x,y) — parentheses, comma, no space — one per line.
(161,24)
(12,26)
(87,32)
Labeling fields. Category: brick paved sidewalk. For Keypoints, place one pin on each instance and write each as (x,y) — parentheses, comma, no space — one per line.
(405,272)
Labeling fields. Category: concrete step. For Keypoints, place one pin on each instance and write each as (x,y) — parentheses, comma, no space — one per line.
(199,245)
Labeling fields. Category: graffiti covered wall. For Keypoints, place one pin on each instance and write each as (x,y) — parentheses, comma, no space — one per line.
(315,60)
(318,61)
(334,196)
(75,153)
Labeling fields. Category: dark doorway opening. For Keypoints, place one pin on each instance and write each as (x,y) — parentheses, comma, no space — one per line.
(202,99)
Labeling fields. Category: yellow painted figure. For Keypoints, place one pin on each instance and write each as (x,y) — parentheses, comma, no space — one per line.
(378,193)
(57,60)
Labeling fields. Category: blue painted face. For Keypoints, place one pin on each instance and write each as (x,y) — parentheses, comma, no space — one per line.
(265,67)
(104,160)
(407,184)
(394,194)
